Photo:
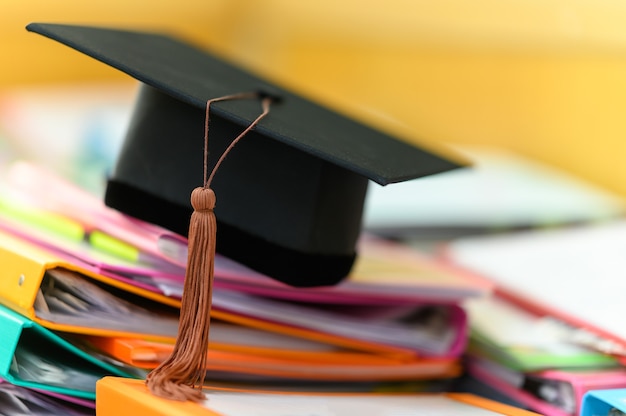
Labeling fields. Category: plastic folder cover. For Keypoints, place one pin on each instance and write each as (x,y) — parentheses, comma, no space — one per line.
(121,396)
(22,339)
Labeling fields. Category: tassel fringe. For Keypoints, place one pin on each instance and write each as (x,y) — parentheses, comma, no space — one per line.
(181,376)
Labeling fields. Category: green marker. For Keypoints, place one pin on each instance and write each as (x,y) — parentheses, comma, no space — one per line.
(112,245)
(67,228)
(43,220)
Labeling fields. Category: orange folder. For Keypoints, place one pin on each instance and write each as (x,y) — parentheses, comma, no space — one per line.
(328,364)
(116,396)
(24,268)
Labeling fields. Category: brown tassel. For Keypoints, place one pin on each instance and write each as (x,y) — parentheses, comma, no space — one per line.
(181,376)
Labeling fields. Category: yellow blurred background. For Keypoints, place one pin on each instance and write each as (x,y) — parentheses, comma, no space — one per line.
(546,78)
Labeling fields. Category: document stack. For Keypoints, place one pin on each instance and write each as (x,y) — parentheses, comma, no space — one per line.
(88,292)
(553,330)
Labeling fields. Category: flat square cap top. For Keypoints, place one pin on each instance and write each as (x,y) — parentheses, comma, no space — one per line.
(193,76)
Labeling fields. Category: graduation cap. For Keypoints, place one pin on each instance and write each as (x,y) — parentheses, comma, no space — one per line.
(289,197)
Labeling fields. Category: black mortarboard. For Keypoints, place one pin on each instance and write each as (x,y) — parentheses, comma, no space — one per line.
(289,197)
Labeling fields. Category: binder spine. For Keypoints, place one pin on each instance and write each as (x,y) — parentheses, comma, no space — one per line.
(11,330)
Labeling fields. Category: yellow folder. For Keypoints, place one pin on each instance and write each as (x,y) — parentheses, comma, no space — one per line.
(25,267)
(25,270)
(117,396)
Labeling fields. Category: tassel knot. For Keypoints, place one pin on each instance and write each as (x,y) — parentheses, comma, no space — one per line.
(203,199)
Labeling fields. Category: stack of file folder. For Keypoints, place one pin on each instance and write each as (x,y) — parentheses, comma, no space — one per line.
(552,331)
(87,292)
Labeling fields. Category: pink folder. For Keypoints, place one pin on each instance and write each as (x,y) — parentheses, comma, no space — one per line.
(386,273)
(573,384)
(547,271)
(64,198)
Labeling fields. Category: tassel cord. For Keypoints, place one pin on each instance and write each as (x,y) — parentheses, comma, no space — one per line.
(266,109)
(181,376)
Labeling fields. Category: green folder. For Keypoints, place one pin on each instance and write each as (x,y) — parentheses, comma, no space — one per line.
(35,357)
(528,359)
(521,339)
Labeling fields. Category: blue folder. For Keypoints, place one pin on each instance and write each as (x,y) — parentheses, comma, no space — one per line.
(604,402)
(35,357)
